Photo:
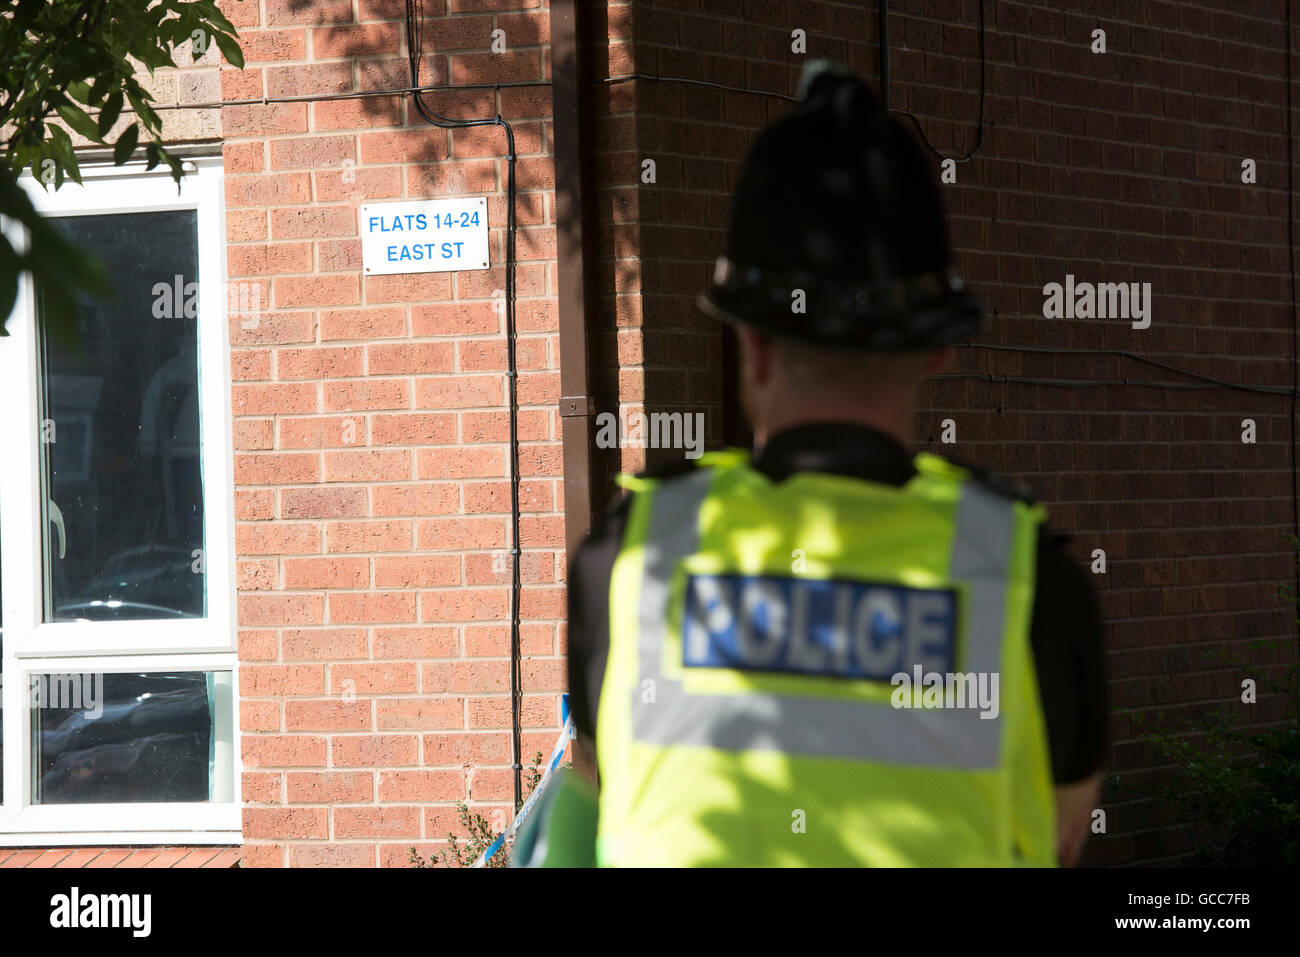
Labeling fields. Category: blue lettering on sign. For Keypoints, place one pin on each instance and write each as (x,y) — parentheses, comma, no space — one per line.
(417,251)
(413,248)
(397,224)
(848,629)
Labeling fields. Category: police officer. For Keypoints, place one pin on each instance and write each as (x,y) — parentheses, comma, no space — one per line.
(834,652)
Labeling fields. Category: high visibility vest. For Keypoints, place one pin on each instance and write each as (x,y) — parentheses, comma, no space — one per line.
(754,712)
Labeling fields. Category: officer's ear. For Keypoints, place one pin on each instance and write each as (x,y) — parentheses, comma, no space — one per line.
(937,360)
(757,356)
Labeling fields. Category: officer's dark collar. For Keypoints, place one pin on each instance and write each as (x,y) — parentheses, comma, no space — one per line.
(840,448)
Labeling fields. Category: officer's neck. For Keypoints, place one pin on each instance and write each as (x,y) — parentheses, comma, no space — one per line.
(892,418)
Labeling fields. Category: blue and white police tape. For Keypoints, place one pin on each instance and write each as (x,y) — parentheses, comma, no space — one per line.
(557,753)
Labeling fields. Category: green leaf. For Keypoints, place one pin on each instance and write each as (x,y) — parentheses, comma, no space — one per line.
(139,102)
(62,270)
(98,88)
(80,91)
(10,271)
(109,114)
(174,164)
(183,26)
(61,146)
(151,154)
(126,144)
(216,17)
(22,155)
(230,50)
(77,118)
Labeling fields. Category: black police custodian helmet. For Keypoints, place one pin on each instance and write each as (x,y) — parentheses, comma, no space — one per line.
(837,230)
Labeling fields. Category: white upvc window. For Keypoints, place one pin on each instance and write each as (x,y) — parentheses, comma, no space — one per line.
(117,592)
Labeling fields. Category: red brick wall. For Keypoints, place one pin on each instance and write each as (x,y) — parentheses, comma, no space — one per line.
(1117,167)
(371,452)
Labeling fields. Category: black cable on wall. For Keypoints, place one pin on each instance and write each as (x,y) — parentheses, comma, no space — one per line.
(414,47)
(883,37)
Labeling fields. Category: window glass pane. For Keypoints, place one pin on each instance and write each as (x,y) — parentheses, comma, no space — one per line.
(120,432)
(117,738)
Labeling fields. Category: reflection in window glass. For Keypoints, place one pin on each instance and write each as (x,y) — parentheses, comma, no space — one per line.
(120,436)
(119,738)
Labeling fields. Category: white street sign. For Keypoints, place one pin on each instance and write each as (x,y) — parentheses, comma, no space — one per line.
(425,235)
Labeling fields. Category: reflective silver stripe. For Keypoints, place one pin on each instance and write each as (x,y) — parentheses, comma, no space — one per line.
(673,534)
(981,557)
(959,738)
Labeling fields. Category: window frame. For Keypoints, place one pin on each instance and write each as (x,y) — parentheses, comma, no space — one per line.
(32,646)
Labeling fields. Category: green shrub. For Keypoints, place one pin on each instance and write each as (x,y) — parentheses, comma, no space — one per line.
(1237,785)
(480,833)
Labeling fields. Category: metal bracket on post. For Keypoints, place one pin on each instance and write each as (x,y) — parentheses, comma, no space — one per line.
(575,405)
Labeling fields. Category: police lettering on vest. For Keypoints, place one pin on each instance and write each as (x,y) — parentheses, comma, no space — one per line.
(848,629)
